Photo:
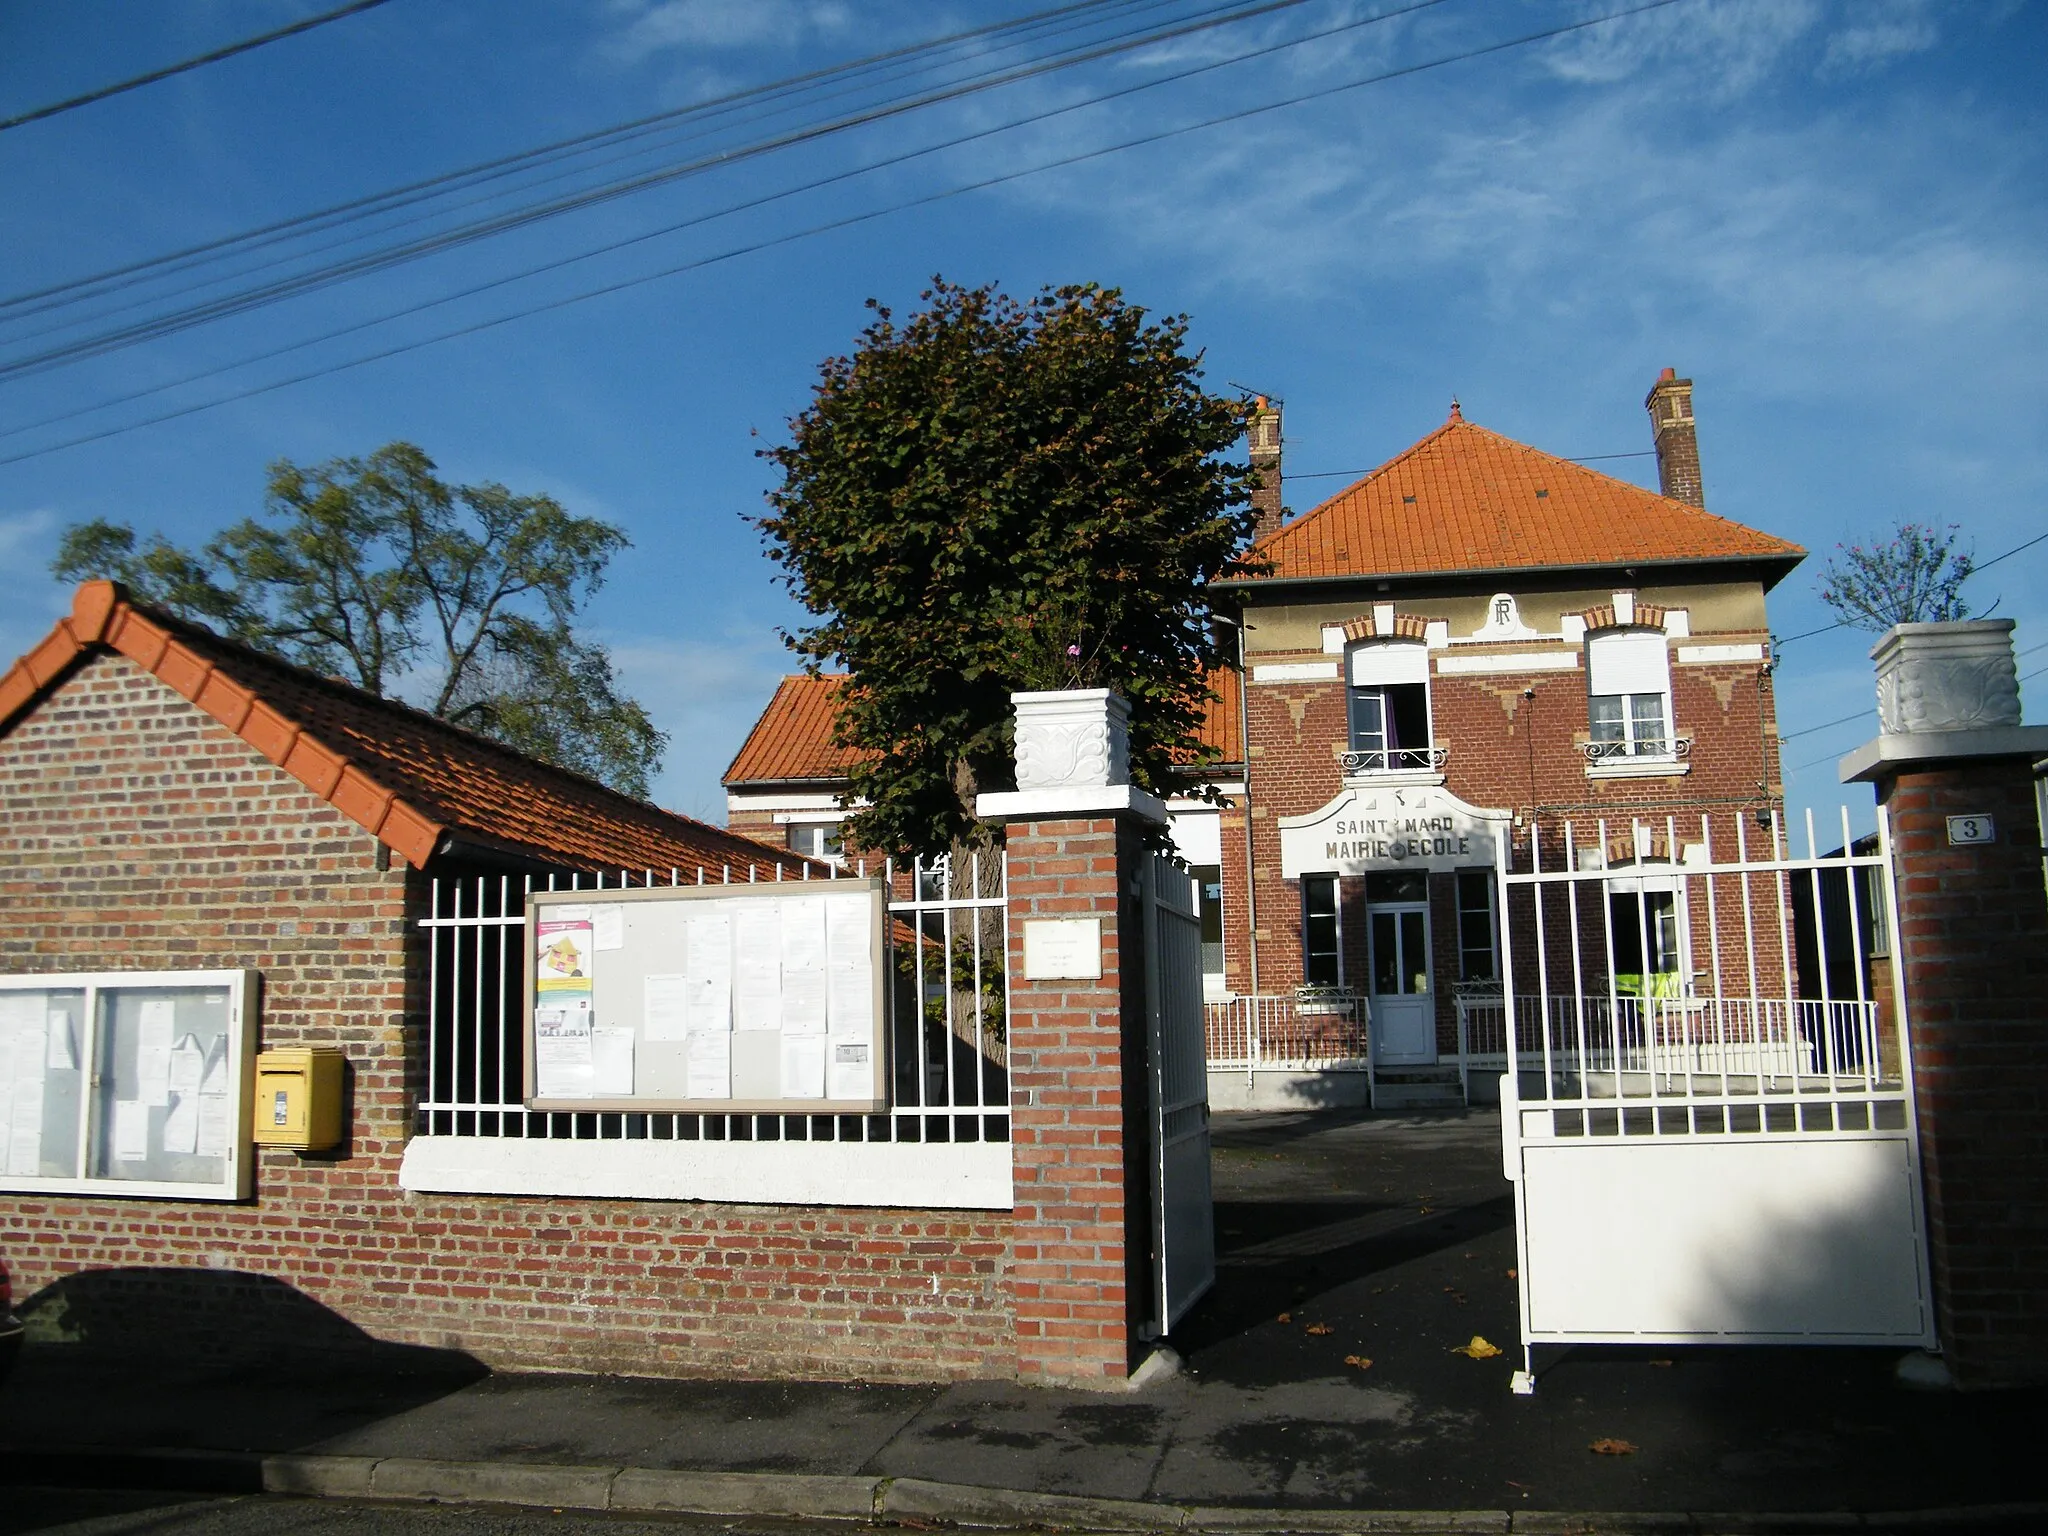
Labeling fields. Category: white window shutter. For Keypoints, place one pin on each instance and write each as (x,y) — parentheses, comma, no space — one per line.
(1380,663)
(1632,661)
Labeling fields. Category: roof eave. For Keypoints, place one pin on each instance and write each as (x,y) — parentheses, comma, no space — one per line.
(1775,566)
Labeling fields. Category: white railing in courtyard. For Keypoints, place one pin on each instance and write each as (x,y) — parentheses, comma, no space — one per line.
(1287,1032)
(948,1007)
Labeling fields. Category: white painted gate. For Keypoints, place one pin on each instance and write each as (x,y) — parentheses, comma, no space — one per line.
(1184,1235)
(1708,1116)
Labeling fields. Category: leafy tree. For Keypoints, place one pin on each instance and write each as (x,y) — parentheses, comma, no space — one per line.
(377,571)
(1914,577)
(997,495)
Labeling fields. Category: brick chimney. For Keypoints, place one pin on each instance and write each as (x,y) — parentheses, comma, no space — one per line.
(1678,448)
(1263,432)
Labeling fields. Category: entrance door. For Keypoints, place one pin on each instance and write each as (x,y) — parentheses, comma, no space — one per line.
(1402,1006)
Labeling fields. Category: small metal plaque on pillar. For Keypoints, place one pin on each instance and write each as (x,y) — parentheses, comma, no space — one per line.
(1964,830)
(1062,949)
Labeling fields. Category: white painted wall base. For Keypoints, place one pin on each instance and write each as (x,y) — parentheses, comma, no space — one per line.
(1277,1088)
(957,1176)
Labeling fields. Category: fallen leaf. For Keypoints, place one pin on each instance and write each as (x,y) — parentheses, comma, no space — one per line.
(1358,1360)
(1612,1448)
(1471,1255)
(1664,1362)
(1511,1274)
(1478,1349)
(1319,1329)
(1284,1317)
(1426,1210)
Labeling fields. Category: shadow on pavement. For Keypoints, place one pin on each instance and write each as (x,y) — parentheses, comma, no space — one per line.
(177,1358)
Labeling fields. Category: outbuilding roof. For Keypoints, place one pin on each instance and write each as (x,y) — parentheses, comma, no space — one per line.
(1465,499)
(409,779)
(792,742)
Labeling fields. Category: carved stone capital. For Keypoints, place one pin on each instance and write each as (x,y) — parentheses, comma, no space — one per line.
(1077,738)
(1947,677)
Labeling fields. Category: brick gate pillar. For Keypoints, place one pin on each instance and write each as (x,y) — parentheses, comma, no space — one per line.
(1075,835)
(1954,770)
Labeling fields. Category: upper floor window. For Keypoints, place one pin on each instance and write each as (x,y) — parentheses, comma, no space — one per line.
(1389,700)
(1628,678)
(816,839)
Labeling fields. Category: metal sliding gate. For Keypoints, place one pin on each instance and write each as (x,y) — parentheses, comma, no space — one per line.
(1708,1112)
(1184,1235)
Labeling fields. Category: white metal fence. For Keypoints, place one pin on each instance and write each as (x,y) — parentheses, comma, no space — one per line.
(948,1004)
(1706,1104)
(1184,1231)
(1322,1033)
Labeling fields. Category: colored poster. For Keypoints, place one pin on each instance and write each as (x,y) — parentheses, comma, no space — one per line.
(564,943)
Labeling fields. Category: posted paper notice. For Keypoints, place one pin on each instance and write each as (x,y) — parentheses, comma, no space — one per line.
(707,1059)
(803,1067)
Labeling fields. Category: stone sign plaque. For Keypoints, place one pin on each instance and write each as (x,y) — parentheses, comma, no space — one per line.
(1410,827)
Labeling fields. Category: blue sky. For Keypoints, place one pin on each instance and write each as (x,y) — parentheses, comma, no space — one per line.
(1831,214)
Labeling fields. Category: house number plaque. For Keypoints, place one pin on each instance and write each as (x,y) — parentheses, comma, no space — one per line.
(1964,830)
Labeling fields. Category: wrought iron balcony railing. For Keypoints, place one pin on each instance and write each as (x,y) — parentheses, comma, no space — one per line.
(1643,748)
(1394,760)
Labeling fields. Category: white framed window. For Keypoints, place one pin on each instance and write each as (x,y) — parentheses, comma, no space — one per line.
(817,840)
(1478,947)
(1628,682)
(1322,932)
(128,1083)
(1388,689)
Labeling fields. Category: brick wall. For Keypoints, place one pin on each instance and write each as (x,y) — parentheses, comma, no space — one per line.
(1973,932)
(1506,752)
(140,834)
(1074,1082)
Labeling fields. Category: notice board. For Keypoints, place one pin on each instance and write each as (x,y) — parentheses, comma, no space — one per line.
(751,998)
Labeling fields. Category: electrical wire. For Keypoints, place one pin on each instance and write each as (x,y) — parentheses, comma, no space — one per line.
(745,205)
(850,220)
(441,201)
(212,57)
(321,217)
(1584,458)
(518,218)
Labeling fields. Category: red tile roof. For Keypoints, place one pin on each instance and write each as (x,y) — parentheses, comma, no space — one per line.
(1466,499)
(793,738)
(404,776)
(792,741)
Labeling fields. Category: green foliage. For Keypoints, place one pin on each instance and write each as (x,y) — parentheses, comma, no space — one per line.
(1915,577)
(998,495)
(376,571)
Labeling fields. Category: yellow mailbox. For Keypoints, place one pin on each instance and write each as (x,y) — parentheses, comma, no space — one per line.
(298,1099)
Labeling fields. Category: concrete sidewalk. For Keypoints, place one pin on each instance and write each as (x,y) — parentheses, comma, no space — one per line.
(1363,1238)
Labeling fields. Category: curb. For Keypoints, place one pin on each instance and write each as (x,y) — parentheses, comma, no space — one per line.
(882,1500)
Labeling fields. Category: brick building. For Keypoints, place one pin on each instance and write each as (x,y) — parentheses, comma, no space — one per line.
(176,806)
(1473,636)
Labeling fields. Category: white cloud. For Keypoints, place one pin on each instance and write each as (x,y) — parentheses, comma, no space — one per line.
(1880,33)
(1729,45)
(659,27)
(707,694)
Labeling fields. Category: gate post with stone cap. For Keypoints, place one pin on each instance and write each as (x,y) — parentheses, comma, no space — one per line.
(1954,771)
(1078,1095)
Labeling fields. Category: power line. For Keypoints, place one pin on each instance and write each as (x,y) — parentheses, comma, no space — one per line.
(290,287)
(679,126)
(745,205)
(200,60)
(850,220)
(1826,724)
(562,148)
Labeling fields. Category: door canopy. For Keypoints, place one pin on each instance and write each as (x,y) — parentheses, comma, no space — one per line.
(1411,827)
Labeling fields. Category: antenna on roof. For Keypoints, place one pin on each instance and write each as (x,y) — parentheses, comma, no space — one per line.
(1262,394)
